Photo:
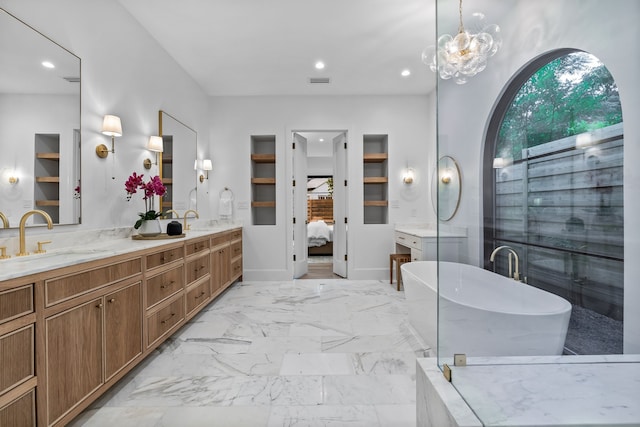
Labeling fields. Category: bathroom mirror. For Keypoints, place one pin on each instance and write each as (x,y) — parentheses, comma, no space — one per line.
(39,125)
(445,188)
(180,143)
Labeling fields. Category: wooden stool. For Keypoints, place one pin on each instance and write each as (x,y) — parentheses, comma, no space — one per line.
(399,259)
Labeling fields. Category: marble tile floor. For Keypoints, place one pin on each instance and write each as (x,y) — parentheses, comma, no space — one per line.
(298,353)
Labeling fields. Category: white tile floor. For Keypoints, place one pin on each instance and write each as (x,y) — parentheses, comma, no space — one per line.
(299,353)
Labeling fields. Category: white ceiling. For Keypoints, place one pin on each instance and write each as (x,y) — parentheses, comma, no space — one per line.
(269,47)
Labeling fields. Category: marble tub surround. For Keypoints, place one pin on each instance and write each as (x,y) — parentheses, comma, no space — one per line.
(70,248)
(306,352)
(525,391)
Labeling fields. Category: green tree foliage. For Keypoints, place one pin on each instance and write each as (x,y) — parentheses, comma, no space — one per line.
(569,95)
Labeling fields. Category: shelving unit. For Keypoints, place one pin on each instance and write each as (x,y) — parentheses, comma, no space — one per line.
(375,179)
(47,176)
(167,172)
(263,179)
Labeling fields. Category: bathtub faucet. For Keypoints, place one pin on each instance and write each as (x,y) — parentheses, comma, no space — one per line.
(512,255)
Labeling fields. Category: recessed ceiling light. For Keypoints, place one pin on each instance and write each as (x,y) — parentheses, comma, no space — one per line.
(47,64)
(319,65)
(321,139)
(405,73)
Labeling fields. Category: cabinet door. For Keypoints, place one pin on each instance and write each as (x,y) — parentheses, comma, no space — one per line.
(123,328)
(221,261)
(73,357)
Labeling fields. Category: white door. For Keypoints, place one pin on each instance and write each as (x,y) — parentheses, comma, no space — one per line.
(340,205)
(300,266)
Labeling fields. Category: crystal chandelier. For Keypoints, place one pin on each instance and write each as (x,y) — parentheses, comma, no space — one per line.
(466,54)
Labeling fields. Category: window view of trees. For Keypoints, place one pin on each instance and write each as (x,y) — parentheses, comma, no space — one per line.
(558,192)
(570,95)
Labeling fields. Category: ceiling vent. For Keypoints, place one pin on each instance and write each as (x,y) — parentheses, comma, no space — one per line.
(319,80)
(72,79)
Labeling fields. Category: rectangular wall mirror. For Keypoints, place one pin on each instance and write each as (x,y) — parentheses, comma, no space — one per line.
(180,144)
(39,125)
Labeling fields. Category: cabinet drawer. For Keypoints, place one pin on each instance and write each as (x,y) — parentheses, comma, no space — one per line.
(164,319)
(219,239)
(66,287)
(236,235)
(408,240)
(17,355)
(236,268)
(164,285)
(197,295)
(199,246)
(164,257)
(236,249)
(197,268)
(15,303)
(416,255)
(21,412)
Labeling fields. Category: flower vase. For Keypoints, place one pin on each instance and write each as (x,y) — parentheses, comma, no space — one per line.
(150,228)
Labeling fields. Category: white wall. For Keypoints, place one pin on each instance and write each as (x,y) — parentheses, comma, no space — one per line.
(606,29)
(126,73)
(407,121)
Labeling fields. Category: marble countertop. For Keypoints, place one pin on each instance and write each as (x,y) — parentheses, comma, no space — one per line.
(431,230)
(78,247)
(552,391)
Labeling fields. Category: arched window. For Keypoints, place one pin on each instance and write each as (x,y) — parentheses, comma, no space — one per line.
(554,190)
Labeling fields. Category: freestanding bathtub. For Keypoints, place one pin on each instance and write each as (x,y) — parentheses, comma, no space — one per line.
(482,313)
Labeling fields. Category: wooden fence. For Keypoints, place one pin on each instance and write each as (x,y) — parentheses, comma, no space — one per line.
(561,207)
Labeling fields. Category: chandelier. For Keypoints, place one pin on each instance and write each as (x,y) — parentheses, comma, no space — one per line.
(466,54)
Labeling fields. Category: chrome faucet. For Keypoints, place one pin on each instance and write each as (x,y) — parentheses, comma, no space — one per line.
(512,256)
(187,226)
(23,222)
(5,220)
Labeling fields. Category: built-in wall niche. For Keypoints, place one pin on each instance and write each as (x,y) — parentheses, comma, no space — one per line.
(47,176)
(263,179)
(167,172)
(375,179)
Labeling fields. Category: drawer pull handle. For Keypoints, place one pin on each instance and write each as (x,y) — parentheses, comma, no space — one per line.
(168,318)
(199,296)
(162,258)
(99,305)
(400,238)
(166,286)
(112,300)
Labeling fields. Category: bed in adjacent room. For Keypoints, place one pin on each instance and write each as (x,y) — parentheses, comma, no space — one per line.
(320,236)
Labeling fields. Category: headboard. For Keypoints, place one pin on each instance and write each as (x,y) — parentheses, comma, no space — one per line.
(320,209)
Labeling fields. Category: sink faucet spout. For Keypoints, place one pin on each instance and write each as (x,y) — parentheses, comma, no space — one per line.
(512,253)
(23,222)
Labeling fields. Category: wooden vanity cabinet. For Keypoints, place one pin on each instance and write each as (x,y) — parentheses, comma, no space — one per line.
(17,356)
(83,327)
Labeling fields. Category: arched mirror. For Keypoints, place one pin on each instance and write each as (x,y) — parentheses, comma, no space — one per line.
(179,152)
(445,188)
(39,125)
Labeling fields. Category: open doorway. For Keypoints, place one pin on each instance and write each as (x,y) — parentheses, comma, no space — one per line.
(320,240)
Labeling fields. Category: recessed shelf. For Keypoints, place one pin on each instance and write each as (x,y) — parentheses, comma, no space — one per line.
(375,157)
(263,158)
(267,204)
(53,179)
(47,202)
(375,180)
(376,203)
(263,181)
(48,156)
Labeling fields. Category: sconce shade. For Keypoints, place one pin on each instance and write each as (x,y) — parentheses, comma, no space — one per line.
(155,144)
(206,165)
(111,125)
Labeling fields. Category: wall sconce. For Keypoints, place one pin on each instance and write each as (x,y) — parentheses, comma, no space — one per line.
(408,176)
(13,179)
(446,176)
(206,166)
(154,144)
(111,126)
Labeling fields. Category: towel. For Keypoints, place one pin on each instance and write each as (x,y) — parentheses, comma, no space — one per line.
(226,206)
